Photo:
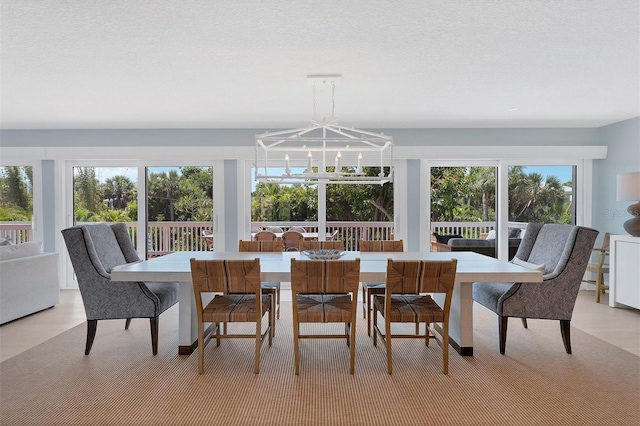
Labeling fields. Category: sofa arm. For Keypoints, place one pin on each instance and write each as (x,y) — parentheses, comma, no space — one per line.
(27,285)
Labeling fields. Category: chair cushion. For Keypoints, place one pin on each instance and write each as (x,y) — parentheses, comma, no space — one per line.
(324,308)
(444,239)
(549,246)
(374,285)
(411,308)
(167,294)
(234,308)
(16,251)
(488,294)
(270,285)
(102,243)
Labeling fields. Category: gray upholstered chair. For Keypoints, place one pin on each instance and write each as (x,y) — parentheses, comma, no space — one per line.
(564,251)
(94,250)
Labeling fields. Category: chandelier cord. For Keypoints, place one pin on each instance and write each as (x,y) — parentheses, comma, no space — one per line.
(333,99)
(314,100)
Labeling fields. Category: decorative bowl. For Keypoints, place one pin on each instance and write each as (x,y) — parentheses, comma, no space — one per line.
(324,254)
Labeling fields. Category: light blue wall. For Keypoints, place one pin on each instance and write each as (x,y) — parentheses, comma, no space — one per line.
(231,191)
(414,199)
(623,156)
(246,137)
(49,206)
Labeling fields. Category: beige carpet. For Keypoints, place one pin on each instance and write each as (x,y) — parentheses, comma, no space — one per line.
(121,383)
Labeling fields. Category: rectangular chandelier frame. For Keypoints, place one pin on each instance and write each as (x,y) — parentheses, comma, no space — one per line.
(327,152)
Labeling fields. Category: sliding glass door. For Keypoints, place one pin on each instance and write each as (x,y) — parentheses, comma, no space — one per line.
(179,209)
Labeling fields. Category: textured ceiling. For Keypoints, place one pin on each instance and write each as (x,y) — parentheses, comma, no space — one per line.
(243,63)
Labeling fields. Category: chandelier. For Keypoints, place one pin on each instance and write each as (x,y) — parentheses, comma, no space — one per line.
(323,152)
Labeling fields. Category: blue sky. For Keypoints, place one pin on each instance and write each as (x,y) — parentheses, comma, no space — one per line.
(564,173)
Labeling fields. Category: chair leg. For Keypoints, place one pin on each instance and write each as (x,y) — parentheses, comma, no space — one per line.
(369,304)
(445,347)
(352,336)
(599,279)
(427,335)
(92,325)
(127,323)
(565,326)
(375,325)
(387,338)
(524,322)
(256,365)
(274,302)
(272,323)
(201,346)
(278,313)
(365,307)
(154,334)
(296,343)
(502,330)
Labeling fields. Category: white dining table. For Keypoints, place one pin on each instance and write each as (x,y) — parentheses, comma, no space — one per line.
(472,267)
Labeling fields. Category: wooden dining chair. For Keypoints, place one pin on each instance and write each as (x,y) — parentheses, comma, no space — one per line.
(600,267)
(325,291)
(320,245)
(268,287)
(405,301)
(371,288)
(238,298)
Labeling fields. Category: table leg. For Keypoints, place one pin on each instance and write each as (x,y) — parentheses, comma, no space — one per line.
(187,320)
(460,318)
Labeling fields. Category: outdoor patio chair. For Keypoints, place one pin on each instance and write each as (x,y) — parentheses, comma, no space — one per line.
(237,298)
(292,240)
(95,249)
(562,252)
(405,301)
(265,236)
(207,236)
(325,291)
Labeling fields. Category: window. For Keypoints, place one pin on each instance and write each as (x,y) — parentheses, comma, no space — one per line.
(16,203)
(541,194)
(179,209)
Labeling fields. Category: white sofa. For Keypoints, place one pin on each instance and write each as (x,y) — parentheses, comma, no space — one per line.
(28,280)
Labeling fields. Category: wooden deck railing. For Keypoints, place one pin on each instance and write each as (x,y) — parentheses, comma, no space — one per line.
(167,237)
(17,232)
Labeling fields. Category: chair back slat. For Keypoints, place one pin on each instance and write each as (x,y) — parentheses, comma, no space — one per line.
(226,276)
(320,245)
(256,246)
(420,276)
(381,245)
(325,276)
